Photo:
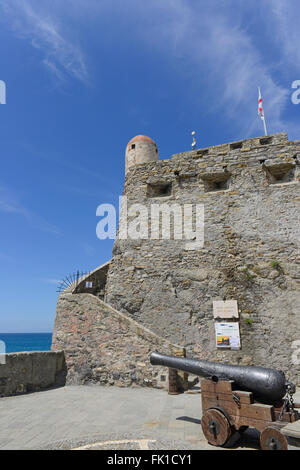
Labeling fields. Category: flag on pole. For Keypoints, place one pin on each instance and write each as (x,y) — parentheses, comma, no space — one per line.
(260,105)
(194,140)
(261,110)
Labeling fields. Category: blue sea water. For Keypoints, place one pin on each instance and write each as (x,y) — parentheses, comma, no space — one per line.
(16,342)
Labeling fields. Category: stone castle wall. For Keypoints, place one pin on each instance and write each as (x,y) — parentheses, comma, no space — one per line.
(31,371)
(104,346)
(250,192)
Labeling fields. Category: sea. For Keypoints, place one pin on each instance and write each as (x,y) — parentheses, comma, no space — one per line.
(17,342)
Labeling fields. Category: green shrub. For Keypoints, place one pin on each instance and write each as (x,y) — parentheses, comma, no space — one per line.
(276,265)
(248,276)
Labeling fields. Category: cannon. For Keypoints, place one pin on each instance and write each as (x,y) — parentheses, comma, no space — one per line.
(236,397)
(265,384)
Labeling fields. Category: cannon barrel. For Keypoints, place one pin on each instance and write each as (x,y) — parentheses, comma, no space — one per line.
(268,385)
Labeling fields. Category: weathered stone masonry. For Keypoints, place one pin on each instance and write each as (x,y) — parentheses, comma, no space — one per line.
(32,371)
(250,192)
(104,346)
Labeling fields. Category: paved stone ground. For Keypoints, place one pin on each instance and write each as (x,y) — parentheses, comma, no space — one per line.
(93,417)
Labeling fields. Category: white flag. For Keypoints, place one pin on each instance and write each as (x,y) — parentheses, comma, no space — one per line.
(260,106)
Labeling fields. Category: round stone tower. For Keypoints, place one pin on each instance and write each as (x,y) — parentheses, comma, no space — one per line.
(140,149)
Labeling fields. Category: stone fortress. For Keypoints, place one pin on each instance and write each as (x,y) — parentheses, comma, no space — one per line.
(156,294)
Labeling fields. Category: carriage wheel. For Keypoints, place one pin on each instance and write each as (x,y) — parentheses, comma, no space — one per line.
(216,427)
(272,439)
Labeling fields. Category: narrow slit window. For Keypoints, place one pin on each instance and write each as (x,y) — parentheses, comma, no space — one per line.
(265,140)
(202,152)
(159,189)
(236,145)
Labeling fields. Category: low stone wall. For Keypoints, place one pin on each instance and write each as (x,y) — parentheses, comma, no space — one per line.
(32,371)
(107,347)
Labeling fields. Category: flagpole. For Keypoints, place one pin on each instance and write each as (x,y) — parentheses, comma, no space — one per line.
(265,126)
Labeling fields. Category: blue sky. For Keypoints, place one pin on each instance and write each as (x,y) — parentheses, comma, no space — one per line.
(85,76)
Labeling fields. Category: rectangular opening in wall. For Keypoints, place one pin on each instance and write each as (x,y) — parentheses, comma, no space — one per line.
(266,140)
(219,185)
(236,145)
(202,152)
(216,181)
(159,189)
(281,173)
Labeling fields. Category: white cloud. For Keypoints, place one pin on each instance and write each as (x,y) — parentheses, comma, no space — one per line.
(50,65)
(88,249)
(283,19)
(51,281)
(215,44)
(61,55)
(10,205)
(211,43)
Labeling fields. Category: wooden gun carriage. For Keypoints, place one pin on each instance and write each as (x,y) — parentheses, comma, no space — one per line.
(237,397)
(226,410)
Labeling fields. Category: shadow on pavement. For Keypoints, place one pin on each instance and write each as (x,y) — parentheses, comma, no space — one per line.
(190,420)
